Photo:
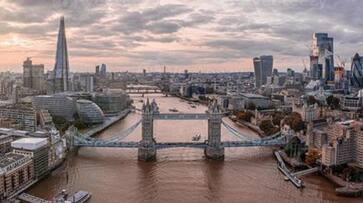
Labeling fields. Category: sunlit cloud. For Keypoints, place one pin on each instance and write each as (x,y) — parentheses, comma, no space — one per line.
(215,35)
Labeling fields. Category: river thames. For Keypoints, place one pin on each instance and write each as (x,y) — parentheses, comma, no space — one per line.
(180,175)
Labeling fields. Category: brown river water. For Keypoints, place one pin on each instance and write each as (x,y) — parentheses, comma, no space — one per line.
(180,175)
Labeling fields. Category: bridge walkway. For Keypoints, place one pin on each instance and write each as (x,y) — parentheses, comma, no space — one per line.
(306,172)
(282,167)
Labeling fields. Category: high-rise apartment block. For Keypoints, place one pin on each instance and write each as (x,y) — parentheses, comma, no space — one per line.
(33,75)
(322,57)
(263,68)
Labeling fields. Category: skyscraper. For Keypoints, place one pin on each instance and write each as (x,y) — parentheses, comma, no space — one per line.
(322,56)
(263,68)
(33,75)
(101,70)
(357,71)
(61,68)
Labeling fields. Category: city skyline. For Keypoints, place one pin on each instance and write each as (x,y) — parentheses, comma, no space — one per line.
(208,37)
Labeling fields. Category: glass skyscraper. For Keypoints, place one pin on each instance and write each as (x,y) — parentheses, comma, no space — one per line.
(357,71)
(263,69)
(61,68)
(322,57)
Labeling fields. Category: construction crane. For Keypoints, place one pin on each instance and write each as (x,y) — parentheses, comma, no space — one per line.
(341,61)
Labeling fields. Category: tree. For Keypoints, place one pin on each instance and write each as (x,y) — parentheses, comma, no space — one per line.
(251,106)
(60,123)
(295,122)
(244,116)
(79,124)
(311,100)
(333,102)
(277,117)
(312,156)
(267,127)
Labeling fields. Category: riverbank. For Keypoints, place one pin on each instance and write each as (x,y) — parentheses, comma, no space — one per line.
(250,126)
(89,132)
(108,122)
(295,164)
(345,188)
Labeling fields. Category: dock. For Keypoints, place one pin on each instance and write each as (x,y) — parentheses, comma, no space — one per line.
(27,198)
(306,172)
(291,176)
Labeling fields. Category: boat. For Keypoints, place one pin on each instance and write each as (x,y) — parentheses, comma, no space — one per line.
(196,137)
(78,197)
(193,106)
(173,110)
(349,191)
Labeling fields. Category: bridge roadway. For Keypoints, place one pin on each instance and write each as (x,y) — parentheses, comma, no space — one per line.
(181,116)
(166,145)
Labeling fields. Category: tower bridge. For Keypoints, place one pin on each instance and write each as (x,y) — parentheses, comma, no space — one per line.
(147,147)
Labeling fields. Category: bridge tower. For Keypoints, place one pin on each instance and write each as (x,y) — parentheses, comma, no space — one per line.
(147,145)
(70,133)
(214,149)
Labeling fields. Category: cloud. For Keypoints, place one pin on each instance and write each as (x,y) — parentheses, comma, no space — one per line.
(178,32)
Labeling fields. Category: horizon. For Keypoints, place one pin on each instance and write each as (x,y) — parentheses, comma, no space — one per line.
(217,36)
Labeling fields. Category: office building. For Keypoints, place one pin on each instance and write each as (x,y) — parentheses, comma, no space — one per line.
(37,149)
(24,117)
(89,112)
(322,57)
(101,70)
(57,105)
(33,75)
(112,103)
(263,68)
(61,68)
(5,141)
(357,71)
(97,70)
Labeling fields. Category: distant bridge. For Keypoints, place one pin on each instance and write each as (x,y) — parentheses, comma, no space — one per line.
(142,89)
(147,147)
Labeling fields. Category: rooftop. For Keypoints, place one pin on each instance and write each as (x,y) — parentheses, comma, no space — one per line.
(29,143)
(250,95)
(10,158)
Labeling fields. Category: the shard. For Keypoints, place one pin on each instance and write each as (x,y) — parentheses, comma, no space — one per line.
(61,68)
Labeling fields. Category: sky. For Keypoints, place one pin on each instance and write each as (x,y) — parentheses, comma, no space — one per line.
(198,35)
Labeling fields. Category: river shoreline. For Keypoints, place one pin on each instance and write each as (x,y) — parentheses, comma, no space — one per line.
(179,175)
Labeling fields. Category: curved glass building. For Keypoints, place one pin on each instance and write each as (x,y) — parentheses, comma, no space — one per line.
(89,112)
(357,71)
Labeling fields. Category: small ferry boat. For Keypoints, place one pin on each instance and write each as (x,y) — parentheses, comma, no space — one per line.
(173,110)
(196,137)
(78,197)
